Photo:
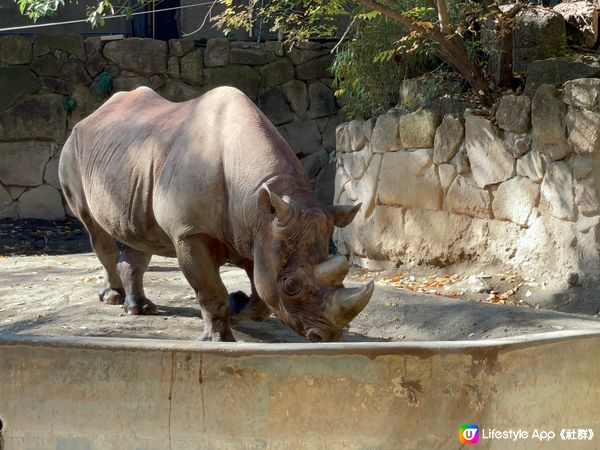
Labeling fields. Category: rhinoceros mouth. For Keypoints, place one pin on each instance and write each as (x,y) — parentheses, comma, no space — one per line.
(317,335)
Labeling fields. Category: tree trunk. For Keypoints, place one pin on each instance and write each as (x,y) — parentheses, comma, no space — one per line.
(452,45)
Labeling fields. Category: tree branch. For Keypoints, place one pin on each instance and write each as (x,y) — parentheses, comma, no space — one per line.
(451,44)
(443,16)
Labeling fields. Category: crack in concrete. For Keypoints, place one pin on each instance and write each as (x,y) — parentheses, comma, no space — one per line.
(172,381)
(201,381)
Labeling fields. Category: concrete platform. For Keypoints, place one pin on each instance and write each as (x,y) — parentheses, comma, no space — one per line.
(104,393)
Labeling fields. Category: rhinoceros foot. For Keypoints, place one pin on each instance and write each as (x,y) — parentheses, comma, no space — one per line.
(139,305)
(216,336)
(112,296)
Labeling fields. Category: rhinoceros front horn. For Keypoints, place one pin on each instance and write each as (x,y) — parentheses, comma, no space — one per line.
(333,271)
(348,302)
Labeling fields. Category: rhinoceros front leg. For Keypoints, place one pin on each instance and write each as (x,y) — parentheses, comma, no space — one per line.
(242,307)
(198,258)
(131,267)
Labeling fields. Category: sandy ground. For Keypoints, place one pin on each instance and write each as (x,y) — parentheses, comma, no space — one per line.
(57,295)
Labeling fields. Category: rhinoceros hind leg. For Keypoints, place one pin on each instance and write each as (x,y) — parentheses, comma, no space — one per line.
(112,296)
(200,258)
(132,265)
(105,248)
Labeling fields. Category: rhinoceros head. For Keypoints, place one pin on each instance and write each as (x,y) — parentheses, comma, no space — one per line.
(294,274)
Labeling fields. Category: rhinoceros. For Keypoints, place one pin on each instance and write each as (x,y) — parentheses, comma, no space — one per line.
(208,181)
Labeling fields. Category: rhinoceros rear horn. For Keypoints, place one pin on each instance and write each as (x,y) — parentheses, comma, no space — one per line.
(343,215)
(348,302)
(333,271)
(270,202)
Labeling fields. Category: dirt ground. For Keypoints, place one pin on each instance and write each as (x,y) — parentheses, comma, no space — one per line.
(50,280)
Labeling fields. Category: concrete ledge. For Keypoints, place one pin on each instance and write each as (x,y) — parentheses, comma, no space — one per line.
(104,393)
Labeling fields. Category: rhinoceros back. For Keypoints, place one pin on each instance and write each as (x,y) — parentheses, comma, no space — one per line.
(148,170)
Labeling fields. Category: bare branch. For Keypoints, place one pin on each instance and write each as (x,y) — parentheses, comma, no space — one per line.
(343,36)
(206,17)
(443,16)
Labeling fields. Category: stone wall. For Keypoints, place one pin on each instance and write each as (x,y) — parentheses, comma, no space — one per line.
(516,188)
(50,82)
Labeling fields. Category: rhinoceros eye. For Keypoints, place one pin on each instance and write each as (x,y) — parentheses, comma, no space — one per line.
(291,285)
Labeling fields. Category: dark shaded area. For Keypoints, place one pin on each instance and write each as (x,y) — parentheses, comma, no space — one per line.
(37,237)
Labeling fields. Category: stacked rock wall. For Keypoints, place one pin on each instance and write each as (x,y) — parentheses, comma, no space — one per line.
(50,82)
(518,188)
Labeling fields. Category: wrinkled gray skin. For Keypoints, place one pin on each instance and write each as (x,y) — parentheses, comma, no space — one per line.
(208,181)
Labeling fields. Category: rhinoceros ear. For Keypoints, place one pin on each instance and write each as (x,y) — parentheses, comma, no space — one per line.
(271,203)
(343,215)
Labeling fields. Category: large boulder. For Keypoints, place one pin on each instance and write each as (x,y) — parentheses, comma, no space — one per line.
(296,94)
(447,173)
(129,83)
(491,161)
(557,71)
(69,43)
(85,104)
(532,165)
(557,189)
(586,197)
(518,143)
(464,197)
(251,56)
(190,67)
(303,136)
(356,132)
(315,69)
(314,162)
(244,78)
(366,188)
(95,64)
(581,18)
(47,65)
(537,34)
(15,83)
(356,163)
(324,184)
(178,91)
(303,52)
(584,131)
(515,199)
(417,129)
(143,56)
(36,117)
(74,72)
(8,208)
(42,202)
(513,113)
(409,179)
(273,104)
(385,136)
(51,172)
(448,137)
(15,50)
(57,86)
(276,73)
(23,163)
(548,123)
(181,47)
(583,93)
(217,52)
(321,101)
